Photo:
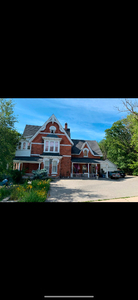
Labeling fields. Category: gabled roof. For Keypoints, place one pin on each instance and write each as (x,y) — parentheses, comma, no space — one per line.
(51,119)
(30,130)
(93,145)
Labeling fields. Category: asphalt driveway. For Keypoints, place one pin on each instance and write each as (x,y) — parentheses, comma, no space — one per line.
(81,190)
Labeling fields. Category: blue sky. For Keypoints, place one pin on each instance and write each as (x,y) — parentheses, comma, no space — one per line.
(86,118)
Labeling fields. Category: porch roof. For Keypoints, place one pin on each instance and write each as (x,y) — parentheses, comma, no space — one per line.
(28,158)
(86,160)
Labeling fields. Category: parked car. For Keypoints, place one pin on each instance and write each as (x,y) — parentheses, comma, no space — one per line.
(114,175)
(121,173)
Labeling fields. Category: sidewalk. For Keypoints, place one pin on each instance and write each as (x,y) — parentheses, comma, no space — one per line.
(131,199)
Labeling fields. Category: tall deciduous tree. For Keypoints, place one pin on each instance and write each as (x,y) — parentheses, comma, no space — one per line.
(120,149)
(9,137)
(103,146)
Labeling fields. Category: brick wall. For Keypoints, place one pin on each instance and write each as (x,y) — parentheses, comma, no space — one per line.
(65,170)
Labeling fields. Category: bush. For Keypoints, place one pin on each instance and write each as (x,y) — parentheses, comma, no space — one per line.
(4,192)
(39,174)
(34,196)
(16,176)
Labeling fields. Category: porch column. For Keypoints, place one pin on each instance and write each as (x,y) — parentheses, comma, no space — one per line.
(72,170)
(106,171)
(88,171)
(19,166)
(39,166)
(96,169)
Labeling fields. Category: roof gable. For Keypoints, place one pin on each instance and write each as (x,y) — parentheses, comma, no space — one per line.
(92,145)
(51,119)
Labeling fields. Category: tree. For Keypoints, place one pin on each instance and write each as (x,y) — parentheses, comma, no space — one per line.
(9,137)
(103,146)
(130,107)
(120,149)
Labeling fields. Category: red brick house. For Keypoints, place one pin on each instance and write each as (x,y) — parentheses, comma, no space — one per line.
(50,146)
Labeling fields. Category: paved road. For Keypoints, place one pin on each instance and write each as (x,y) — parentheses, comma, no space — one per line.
(80,190)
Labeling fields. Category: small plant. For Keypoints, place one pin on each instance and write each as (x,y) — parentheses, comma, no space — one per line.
(4,192)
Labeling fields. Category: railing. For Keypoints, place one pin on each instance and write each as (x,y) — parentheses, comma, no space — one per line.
(84,175)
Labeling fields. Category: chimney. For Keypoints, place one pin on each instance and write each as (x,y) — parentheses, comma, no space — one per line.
(67,129)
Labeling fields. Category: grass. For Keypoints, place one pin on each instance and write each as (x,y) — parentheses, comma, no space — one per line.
(34,192)
(111,199)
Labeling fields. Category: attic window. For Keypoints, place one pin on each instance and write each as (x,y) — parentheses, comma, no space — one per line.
(52,129)
(85,152)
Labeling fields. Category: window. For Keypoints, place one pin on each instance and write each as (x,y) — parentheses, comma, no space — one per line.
(52,146)
(19,145)
(24,145)
(85,153)
(46,147)
(47,165)
(28,146)
(52,129)
(54,167)
(56,146)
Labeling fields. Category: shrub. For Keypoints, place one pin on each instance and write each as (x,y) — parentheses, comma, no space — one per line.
(4,192)
(17,192)
(16,176)
(40,173)
(34,196)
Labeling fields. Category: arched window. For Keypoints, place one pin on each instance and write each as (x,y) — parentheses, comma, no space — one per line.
(52,129)
(24,145)
(47,165)
(85,152)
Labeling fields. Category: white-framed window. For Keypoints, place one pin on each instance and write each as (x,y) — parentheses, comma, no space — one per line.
(19,147)
(54,166)
(85,152)
(28,146)
(47,165)
(56,146)
(51,146)
(24,145)
(46,146)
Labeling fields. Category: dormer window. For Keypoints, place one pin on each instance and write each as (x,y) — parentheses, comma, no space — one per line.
(85,152)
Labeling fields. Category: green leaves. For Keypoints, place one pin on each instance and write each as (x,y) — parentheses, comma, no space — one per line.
(9,137)
(121,144)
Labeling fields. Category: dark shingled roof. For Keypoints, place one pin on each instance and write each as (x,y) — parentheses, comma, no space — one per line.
(86,160)
(52,135)
(28,158)
(50,154)
(30,130)
(79,143)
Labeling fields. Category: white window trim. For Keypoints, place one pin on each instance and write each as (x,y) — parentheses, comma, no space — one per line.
(26,145)
(46,159)
(57,160)
(51,140)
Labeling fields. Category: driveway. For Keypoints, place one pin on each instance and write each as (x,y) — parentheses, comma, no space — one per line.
(81,190)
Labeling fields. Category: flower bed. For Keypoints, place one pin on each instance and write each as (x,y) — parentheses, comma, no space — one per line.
(34,192)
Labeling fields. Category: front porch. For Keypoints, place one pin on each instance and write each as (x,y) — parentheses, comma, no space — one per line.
(87,168)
